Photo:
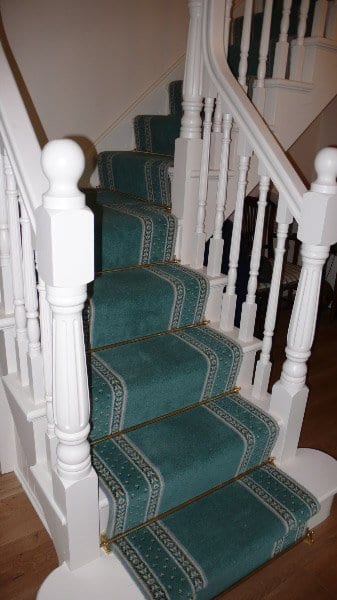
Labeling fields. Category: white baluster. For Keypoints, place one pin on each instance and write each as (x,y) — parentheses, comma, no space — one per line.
(216,242)
(188,147)
(198,257)
(46,343)
(229,297)
(248,313)
(6,284)
(66,264)
(21,340)
(228,17)
(35,365)
(317,230)
(259,91)
(216,136)
(192,85)
(320,17)
(245,43)
(331,23)
(263,367)
(297,52)
(282,46)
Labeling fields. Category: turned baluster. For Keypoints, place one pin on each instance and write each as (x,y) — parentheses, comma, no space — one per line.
(6,284)
(263,367)
(198,256)
(248,314)
(259,92)
(320,18)
(192,84)
(21,340)
(35,365)
(282,46)
(216,242)
(331,22)
(245,43)
(46,343)
(227,24)
(297,53)
(317,230)
(229,297)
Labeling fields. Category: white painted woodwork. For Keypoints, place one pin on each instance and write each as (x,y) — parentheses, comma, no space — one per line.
(331,23)
(66,264)
(6,284)
(282,46)
(259,93)
(320,16)
(229,297)
(263,367)
(290,393)
(46,344)
(227,25)
(216,242)
(245,43)
(249,307)
(35,366)
(200,238)
(16,264)
(297,50)
(192,90)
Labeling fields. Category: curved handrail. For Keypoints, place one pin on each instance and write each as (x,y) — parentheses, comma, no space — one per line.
(263,142)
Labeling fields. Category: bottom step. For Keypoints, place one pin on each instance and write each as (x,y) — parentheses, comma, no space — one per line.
(199,551)
(209,545)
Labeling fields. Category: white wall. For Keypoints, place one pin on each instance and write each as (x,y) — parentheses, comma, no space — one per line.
(322,132)
(85,62)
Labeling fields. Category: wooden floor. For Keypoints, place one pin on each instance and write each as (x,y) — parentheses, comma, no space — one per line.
(304,573)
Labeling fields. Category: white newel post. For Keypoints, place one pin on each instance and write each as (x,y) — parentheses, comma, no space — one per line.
(320,15)
(6,285)
(331,22)
(65,246)
(189,145)
(317,231)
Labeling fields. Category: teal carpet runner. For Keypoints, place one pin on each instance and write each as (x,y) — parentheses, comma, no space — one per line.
(183,459)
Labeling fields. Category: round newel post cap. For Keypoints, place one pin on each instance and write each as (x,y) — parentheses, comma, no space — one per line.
(63,164)
(326,169)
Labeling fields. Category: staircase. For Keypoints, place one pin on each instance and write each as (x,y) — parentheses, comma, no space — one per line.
(200,477)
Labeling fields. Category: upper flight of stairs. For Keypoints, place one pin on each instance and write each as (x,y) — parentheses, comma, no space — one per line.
(194,503)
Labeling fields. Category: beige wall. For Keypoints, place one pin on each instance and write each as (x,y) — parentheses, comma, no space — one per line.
(322,132)
(84,62)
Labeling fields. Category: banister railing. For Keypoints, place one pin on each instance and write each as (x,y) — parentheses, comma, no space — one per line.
(235,146)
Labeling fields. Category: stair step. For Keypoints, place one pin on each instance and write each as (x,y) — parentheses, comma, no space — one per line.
(157,133)
(175,97)
(133,303)
(211,544)
(137,173)
(129,232)
(159,466)
(143,380)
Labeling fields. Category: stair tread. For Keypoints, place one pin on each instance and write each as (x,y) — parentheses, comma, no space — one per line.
(183,556)
(142,174)
(132,303)
(157,133)
(130,232)
(159,466)
(143,380)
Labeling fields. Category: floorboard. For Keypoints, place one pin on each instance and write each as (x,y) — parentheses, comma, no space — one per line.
(306,572)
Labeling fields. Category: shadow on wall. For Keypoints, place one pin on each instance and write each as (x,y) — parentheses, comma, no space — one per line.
(90,154)
(34,117)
